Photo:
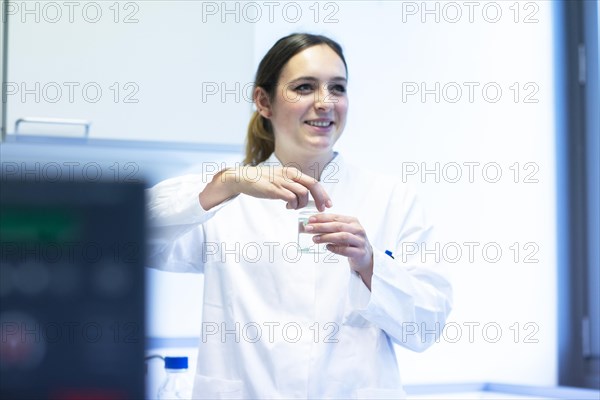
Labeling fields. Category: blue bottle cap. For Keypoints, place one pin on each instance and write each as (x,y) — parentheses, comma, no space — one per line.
(176,362)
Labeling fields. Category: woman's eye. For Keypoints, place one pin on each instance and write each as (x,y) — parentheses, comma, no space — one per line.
(337,89)
(304,88)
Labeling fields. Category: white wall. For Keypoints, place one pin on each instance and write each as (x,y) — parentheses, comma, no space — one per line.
(152,66)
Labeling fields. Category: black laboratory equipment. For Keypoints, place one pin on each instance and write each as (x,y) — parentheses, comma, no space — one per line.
(71,290)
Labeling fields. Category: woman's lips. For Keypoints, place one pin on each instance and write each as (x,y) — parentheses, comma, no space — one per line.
(320,125)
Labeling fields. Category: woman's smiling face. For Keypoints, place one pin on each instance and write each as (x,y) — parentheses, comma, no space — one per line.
(308,113)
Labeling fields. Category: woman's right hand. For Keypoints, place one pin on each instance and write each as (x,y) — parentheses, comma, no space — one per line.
(266,182)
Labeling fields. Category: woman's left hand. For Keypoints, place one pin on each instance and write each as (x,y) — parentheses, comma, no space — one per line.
(345,236)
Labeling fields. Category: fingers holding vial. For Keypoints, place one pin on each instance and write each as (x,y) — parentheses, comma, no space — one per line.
(343,235)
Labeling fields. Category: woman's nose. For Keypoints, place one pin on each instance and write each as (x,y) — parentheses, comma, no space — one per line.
(323,100)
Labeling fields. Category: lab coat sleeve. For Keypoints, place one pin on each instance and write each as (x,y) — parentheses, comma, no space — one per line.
(409,299)
(175,218)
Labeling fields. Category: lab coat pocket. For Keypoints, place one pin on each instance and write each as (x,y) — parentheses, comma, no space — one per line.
(207,387)
(376,393)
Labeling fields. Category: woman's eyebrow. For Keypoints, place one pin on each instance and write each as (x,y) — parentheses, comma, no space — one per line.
(313,79)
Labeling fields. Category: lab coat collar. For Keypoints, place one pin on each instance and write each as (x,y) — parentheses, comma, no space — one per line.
(337,159)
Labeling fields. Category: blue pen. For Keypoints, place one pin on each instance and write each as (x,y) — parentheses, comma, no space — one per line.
(389,253)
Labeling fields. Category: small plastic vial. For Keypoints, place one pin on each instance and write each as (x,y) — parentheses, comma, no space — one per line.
(177,384)
(305,241)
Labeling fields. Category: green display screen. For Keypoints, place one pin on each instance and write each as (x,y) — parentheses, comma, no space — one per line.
(24,224)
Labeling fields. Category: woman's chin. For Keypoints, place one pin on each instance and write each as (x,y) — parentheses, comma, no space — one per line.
(322,146)
(321,142)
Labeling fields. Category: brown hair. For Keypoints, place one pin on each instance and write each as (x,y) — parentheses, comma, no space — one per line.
(260,140)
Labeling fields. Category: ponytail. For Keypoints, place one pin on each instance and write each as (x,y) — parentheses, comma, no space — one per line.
(260,140)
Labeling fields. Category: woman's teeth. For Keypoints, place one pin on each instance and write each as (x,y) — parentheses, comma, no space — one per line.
(319,123)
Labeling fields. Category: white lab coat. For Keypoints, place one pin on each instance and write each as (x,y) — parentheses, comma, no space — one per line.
(280,324)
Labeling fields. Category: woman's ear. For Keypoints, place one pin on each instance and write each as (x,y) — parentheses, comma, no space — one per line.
(262,102)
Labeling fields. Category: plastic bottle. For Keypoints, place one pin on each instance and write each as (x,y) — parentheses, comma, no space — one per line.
(177,384)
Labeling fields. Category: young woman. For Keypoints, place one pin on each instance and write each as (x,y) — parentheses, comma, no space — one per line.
(279,323)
